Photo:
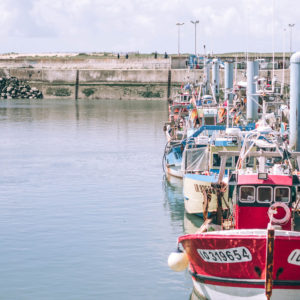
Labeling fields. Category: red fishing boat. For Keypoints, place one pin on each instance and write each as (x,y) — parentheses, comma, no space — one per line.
(256,253)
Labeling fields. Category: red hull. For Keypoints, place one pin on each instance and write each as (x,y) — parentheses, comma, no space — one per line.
(238,258)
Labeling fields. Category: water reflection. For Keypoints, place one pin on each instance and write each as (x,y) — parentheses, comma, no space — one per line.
(74,202)
(175,204)
(173,198)
(77,110)
(191,223)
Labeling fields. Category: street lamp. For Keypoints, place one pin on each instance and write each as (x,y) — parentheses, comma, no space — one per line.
(195,23)
(291,28)
(283,61)
(179,24)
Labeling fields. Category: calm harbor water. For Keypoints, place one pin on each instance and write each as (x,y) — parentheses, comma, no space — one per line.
(85,210)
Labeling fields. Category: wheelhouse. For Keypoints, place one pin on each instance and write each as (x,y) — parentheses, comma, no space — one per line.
(252,198)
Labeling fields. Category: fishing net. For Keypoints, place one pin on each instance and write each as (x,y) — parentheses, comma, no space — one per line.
(195,159)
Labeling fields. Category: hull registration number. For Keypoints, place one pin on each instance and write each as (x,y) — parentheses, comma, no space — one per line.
(294,257)
(231,255)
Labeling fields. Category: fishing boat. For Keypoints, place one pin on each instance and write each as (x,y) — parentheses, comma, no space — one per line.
(181,156)
(255,253)
(178,105)
(202,111)
(201,182)
(201,186)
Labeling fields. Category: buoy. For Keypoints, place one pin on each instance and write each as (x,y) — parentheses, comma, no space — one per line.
(273,210)
(178,261)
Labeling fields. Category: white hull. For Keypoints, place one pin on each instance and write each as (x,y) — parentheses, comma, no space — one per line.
(174,171)
(194,199)
(215,292)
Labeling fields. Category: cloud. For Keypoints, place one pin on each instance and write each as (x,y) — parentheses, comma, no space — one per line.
(8,16)
(147,26)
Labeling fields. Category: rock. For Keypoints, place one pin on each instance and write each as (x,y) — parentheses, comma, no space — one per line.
(12,87)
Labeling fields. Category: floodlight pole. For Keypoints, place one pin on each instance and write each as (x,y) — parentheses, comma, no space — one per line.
(195,23)
(179,24)
(291,28)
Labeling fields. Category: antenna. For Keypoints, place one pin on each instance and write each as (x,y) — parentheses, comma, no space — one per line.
(247,35)
(273,46)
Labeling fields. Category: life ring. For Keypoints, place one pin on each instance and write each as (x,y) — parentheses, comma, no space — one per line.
(273,210)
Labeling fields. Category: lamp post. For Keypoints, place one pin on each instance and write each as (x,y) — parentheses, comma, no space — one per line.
(179,24)
(283,61)
(195,23)
(291,28)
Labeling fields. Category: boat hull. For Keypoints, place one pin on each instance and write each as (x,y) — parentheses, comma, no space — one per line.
(215,291)
(232,264)
(174,171)
(194,198)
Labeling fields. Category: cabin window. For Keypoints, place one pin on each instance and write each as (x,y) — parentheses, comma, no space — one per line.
(264,194)
(216,160)
(247,194)
(229,162)
(282,194)
(236,158)
(177,155)
(250,162)
(209,120)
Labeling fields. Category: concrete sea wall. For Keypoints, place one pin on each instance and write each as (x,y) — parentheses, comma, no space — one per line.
(109,79)
(87,63)
(102,84)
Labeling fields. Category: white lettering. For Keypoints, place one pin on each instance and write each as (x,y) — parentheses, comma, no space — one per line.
(294,257)
(231,255)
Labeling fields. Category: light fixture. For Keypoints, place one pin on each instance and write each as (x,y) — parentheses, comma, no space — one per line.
(263,176)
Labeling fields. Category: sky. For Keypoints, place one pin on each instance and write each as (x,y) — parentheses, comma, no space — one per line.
(42,26)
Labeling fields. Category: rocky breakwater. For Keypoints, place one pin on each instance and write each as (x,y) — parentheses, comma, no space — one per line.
(13,88)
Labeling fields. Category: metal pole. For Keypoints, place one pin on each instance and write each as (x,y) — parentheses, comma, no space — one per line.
(228,81)
(291,28)
(196,39)
(273,47)
(195,23)
(252,98)
(294,134)
(283,63)
(179,24)
(178,40)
